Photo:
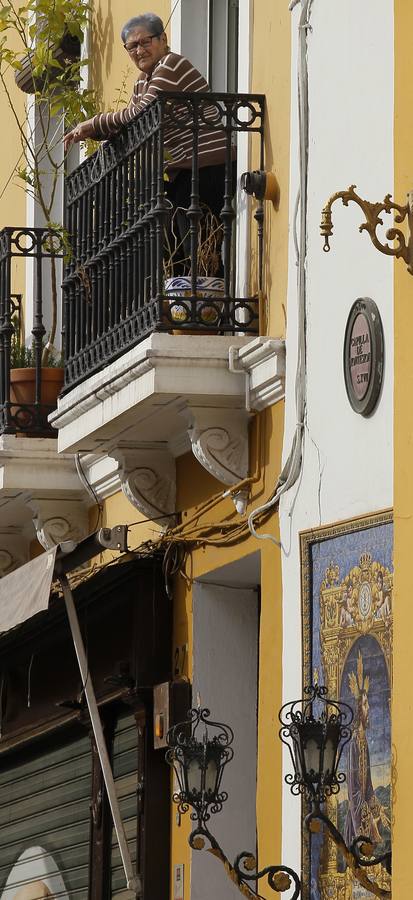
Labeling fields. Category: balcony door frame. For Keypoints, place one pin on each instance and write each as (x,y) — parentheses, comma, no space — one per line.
(191,36)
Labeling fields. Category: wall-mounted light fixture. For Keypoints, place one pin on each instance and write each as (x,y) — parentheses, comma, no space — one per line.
(199,750)
(403,248)
(261,185)
(316,729)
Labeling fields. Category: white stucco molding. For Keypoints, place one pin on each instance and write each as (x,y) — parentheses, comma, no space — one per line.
(142,391)
(34,463)
(102,473)
(164,397)
(148,479)
(58,520)
(219,440)
(263,361)
(37,483)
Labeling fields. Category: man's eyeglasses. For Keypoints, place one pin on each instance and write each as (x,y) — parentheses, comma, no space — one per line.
(144,43)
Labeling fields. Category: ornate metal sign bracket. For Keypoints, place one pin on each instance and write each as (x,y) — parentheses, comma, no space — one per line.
(403,248)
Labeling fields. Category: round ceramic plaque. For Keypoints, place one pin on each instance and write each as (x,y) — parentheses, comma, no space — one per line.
(364,356)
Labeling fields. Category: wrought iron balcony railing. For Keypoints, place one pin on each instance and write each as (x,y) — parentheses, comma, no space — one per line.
(28,390)
(129,244)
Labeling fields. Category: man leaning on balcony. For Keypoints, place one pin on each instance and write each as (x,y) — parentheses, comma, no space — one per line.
(145,41)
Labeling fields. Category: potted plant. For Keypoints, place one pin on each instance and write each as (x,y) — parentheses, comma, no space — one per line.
(40,40)
(23,383)
(178,273)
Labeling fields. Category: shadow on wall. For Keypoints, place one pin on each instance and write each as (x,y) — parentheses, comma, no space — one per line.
(101,50)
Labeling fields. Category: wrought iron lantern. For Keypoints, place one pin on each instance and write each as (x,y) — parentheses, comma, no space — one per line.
(198,750)
(316,730)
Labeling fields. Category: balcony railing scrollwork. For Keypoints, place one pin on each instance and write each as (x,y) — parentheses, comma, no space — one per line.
(28,390)
(117,285)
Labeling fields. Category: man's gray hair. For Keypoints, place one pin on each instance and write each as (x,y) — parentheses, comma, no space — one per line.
(149,20)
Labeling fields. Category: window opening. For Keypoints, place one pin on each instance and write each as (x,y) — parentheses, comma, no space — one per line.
(223,45)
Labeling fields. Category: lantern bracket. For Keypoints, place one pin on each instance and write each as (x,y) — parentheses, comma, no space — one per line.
(199,749)
(360,854)
(316,729)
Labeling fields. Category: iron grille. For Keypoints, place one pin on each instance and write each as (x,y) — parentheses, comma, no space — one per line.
(118,218)
(27,413)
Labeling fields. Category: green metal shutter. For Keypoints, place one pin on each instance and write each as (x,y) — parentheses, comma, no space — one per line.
(45,802)
(125,770)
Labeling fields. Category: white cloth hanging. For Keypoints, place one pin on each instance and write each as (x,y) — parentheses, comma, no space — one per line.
(26,591)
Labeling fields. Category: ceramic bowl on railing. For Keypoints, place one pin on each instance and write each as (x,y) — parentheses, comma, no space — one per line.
(209,293)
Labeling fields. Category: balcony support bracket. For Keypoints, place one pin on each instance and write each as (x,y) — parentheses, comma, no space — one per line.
(58,520)
(14,550)
(219,440)
(148,480)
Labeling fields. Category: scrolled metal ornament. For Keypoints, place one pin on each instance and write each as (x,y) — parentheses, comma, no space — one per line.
(403,248)
(362,849)
(199,750)
(315,729)
(358,856)
(280,878)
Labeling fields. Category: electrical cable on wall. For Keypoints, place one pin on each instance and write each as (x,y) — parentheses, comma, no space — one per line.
(293,465)
(89,487)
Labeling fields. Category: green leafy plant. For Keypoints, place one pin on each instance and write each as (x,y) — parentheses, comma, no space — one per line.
(23,356)
(31,34)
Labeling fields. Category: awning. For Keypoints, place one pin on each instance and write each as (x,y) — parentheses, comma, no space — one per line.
(26,592)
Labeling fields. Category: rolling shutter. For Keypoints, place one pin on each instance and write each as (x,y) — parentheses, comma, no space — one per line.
(45,806)
(125,771)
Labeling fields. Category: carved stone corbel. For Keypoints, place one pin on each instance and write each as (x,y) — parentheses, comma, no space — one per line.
(148,480)
(219,440)
(59,520)
(14,551)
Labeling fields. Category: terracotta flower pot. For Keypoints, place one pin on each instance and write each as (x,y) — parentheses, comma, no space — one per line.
(22,396)
(23,385)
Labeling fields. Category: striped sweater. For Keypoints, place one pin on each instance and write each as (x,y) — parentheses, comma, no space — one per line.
(171,73)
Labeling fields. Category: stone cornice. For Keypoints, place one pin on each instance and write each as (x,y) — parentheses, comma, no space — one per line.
(168,395)
(263,361)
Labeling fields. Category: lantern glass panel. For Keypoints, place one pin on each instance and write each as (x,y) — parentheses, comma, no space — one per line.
(297,756)
(195,775)
(312,756)
(211,774)
(330,751)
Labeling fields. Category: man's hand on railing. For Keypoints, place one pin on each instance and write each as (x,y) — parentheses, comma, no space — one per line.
(82,132)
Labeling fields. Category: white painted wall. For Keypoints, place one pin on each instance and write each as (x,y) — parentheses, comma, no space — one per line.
(347,468)
(225,623)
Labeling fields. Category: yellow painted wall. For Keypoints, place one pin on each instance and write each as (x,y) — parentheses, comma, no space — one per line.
(208,558)
(111,67)
(403,485)
(12,197)
(271,76)
(12,194)
(117,510)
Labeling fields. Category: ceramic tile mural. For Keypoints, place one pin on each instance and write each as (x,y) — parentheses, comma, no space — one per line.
(347,588)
